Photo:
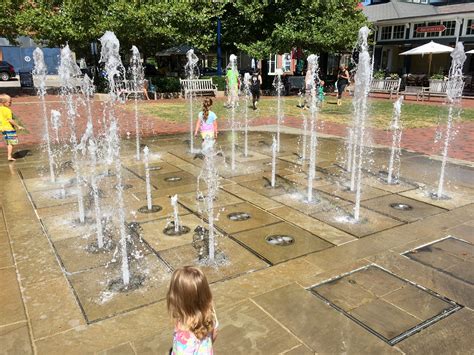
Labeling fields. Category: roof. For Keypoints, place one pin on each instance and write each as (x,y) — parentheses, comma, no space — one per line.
(177,50)
(396,9)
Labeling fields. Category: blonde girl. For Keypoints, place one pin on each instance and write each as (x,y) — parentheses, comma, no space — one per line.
(207,121)
(189,302)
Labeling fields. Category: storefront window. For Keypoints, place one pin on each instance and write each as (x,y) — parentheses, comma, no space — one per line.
(469,29)
(433,34)
(416,34)
(398,32)
(450,28)
(386,33)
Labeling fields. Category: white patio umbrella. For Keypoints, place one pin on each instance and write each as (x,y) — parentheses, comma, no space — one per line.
(470,52)
(430,49)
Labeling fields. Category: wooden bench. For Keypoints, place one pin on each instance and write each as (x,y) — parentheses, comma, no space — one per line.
(388,86)
(437,88)
(411,90)
(127,88)
(198,86)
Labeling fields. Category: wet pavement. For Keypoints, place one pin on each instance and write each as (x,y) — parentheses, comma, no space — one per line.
(294,277)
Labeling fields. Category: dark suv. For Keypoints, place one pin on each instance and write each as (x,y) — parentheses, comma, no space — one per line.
(6,71)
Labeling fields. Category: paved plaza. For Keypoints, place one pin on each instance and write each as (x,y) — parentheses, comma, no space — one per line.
(299,277)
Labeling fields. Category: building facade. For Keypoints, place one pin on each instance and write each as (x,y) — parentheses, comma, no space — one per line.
(403,25)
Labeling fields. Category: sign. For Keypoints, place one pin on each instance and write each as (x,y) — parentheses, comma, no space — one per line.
(27,58)
(427,29)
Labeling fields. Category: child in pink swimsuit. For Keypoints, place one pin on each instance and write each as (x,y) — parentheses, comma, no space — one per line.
(207,121)
(189,301)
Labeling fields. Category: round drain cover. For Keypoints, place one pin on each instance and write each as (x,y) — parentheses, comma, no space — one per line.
(153,168)
(401,206)
(238,216)
(154,209)
(173,179)
(280,240)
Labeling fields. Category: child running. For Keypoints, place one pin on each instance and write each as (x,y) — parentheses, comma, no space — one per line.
(189,302)
(8,125)
(207,121)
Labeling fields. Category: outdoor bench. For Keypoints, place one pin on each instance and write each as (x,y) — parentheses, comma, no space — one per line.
(411,90)
(294,83)
(198,86)
(126,88)
(388,86)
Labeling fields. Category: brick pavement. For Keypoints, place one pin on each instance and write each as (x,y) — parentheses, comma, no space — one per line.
(415,139)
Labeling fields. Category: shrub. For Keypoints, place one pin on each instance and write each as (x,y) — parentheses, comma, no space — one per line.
(437,77)
(167,84)
(379,74)
(218,80)
(394,76)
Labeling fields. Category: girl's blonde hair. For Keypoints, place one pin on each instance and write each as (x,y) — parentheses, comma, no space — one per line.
(205,108)
(4,98)
(189,301)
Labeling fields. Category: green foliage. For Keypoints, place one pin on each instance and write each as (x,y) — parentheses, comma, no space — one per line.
(394,76)
(437,77)
(217,80)
(168,84)
(255,26)
(379,74)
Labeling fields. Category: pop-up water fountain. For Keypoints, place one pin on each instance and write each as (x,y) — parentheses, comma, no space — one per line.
(313,70)
(192,72)
(138,77)
(358,137)
(233,101)
(454,89)
(396,127)
(40,72)
(68,72)
(278,85)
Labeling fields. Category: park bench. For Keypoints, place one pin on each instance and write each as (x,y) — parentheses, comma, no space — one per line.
(436,88)
(126,88)
(388,86)
(294,83)
(198,86)
(411,90)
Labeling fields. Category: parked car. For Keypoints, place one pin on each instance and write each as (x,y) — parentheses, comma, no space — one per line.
(6,71)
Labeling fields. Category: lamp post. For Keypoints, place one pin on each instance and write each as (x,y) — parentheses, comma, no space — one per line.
(219,54)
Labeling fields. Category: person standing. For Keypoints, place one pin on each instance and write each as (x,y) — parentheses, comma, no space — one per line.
(232,82)
(206,122)
(255,82)
(342,82)
(8,125)
(189,303)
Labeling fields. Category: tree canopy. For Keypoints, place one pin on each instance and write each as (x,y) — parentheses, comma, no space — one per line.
(257,27)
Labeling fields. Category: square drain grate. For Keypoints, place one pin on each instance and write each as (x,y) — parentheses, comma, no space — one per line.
(451,256)
(388,306)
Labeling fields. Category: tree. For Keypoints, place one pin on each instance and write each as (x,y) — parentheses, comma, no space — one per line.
(314,25)
(150,26)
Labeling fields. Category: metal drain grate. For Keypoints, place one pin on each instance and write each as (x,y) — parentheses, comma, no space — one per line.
(173,179)
(448,251)
(365,278)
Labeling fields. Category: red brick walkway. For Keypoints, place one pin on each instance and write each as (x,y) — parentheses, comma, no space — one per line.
(415,139)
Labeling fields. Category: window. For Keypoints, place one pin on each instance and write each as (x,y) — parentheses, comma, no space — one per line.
(450,28)
(433,34)
(469,29)
(386,33)
(286,62)
(416,34)
(399,32)
(272,64)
